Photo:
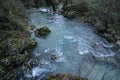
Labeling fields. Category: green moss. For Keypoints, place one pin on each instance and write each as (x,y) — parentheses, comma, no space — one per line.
(44,31)
(16,43)
(31,40)
(70,15)
(12,61)
(11,75)
(15,39)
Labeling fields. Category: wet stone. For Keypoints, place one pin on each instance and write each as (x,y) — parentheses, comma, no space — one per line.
(53,56)
(33,62)
(42,32)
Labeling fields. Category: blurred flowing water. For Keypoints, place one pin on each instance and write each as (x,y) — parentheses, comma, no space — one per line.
(79,51)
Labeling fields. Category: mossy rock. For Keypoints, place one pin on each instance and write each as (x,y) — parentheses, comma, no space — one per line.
(44,31)
(32,42)
(33,62)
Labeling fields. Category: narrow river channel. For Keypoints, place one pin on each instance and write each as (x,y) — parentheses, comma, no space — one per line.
(79,50)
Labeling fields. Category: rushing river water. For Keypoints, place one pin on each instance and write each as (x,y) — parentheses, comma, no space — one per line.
(78,49)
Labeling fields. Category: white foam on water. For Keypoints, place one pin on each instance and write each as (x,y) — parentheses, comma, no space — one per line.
(46,50)
(37,54)
(37,71)
(58,51)
(84,52)
(74,40)
(107,45)
(45,62)
(60,41)
(44,9)
(59,54)
(100,54)
(28,75)
(68,37)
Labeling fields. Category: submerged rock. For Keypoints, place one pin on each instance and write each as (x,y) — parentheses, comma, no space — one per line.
(44,31)
(53,56)
(64,77)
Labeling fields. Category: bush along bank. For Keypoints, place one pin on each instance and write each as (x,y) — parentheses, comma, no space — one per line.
(15,43)
(103,15)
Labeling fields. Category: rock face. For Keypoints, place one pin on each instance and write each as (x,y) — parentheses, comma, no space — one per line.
(42,32)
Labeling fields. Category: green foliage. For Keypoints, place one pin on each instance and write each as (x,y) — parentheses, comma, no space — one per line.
(10,12)
(107,11)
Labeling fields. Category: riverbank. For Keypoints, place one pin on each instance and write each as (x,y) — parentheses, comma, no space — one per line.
(103,16)
(16,45)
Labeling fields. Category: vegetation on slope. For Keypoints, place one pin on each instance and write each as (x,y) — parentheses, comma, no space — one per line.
(15,42)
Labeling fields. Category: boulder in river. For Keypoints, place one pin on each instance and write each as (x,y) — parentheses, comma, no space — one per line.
(53,56)
(44,31)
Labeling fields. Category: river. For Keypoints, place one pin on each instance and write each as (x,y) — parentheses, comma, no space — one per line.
(79,50)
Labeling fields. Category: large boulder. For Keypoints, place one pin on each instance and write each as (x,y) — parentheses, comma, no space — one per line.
(44,31)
